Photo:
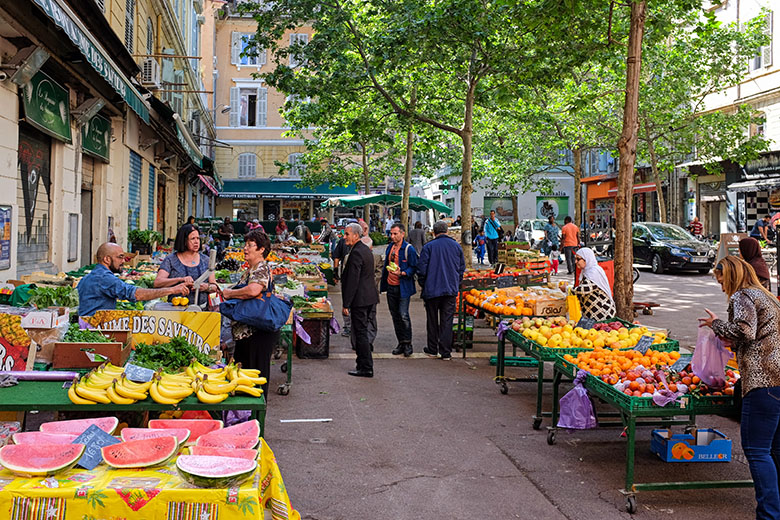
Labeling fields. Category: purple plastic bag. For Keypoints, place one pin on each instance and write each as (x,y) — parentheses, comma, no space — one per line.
(231,417)
(710,358)
(665,396)
(576,407)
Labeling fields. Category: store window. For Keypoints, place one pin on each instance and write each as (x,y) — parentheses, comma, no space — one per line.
(271,209)
(246,210)
(247,166)
(296,210)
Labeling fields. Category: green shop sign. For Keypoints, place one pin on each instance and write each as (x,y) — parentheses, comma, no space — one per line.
(61,14)
(194,154)
(47,107)
(96,136)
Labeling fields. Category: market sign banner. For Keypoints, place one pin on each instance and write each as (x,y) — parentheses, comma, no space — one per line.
(96,136)
(201,329)
(47,107)
(557,207)
(61,14)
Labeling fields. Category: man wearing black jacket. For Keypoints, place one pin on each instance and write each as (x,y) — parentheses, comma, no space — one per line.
(359,296)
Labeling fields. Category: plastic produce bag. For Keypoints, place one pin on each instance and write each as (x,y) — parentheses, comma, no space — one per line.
(576,407)
(710,358)
(575,311)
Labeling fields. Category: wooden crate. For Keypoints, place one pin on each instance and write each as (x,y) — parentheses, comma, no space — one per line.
(72,355)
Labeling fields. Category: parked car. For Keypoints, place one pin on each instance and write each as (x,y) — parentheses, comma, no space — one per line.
(669,247)
(531,230)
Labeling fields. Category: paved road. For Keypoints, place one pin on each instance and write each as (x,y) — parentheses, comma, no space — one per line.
(432,439)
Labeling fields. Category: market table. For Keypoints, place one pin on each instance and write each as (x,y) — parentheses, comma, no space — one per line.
(640,411)
(154,493)
(50,395)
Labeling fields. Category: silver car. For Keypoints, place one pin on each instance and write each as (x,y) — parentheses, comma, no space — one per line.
(531,230)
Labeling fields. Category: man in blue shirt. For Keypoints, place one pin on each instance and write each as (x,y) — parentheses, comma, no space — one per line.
(100,289)
(492,232)
(440,271)
(760,228)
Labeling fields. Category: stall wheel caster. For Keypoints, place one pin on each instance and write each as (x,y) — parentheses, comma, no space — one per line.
(283,390)
(283,367)
(277,353)
(504,388)
(537,425)
(647,311)
(631,504)
(551,437)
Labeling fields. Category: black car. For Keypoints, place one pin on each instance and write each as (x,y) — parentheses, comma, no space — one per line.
(670,247)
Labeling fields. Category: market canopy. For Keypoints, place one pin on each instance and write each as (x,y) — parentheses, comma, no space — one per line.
(279,189)
(387,199)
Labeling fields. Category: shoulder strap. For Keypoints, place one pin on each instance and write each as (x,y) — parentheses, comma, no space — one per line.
(406,251)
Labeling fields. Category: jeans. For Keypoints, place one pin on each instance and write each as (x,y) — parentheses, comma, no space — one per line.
(492,250)
(760,429)
(439,313)
(399,310)
(568,252)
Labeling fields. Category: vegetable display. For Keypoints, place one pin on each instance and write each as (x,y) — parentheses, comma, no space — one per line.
(171,356)
(43,297)
(76,335)
(124,305)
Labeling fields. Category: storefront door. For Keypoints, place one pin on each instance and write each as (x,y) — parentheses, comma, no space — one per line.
(34,183)
(87,176)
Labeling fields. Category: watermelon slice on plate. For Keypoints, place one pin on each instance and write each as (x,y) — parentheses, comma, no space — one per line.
(244,429)
(29,460)
(197,427)
(79,426)
(227,441)
(141,453)
(214,472)
(43,438)
(222,452)
(133,434)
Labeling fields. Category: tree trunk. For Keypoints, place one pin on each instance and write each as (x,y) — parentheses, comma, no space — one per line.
(578,186)
(657,177)
(624,258)
(367,185)
(407,178)
(465,186)
(515,211)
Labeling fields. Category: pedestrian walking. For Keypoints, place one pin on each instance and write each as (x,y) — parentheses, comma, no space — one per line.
(493,230)
(388,225)
(359,297)
(751,329)
(398,282)
(552,235)
(555,257)
(750,250)
(479,246)
(440,271)
(417,237)
(570,240)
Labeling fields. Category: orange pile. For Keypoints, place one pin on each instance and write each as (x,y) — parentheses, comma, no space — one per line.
(607,362)
(498,302)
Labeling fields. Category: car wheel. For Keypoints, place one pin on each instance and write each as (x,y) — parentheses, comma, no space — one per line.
(657,265)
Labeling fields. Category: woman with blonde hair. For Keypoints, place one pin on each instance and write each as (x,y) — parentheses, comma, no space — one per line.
(753,330)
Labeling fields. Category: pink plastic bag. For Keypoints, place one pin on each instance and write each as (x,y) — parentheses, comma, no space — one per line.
(710,358)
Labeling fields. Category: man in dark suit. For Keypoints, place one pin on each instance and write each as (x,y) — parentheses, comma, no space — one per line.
(359,296)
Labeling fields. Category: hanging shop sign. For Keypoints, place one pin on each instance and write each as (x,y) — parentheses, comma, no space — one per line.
(556,207)
(47,107)
(96,137)
(767,165)
(5,237)
(501,205)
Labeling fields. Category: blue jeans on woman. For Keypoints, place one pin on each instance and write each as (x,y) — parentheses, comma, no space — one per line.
(760,429)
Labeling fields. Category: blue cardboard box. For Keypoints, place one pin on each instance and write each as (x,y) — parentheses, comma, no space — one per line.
(704,445)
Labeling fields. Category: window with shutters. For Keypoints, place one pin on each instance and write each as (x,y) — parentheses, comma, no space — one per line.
(248,106)
(101,4)
(194,41)
(297,167)
(152,185)
(177,100)
(763,57)
(242,44)
(247,166)
(149,36)
(129,25)
(296,41)
(134,192)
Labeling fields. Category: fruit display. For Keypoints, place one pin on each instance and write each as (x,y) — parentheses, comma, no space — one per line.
(512,301)
(171,356)
(233,253)
(208,471)
(613,366)
(230,264)
(11,330)
(39,460)
(196,427)
(134,434)
(249,454)
(559,332)
(282,270)
(180,301)
(43,438)
(79,426)
(227,441)
(141,453)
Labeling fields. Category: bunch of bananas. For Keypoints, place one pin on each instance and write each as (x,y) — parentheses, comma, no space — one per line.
(213,385)
(107,384)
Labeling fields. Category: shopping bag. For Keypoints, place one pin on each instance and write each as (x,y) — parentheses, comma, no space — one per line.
(710,358)
(576,407)
(575,311)
(267,312)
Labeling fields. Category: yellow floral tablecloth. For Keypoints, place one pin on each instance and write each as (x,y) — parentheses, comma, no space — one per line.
(159,493)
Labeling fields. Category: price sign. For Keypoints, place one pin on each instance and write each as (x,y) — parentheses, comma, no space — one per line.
(586,323)
(138,374)
(643,344)
(94,439)
(683,362)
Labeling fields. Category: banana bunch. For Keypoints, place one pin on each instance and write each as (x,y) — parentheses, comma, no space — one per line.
(170,388)
(107,384)
(213,385)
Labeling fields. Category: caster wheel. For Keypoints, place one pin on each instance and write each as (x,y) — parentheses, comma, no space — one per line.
(537,424)
(283,390)
(283,367)
(278,353)
(631,504)
(647,312)
(504,388)
(551,437)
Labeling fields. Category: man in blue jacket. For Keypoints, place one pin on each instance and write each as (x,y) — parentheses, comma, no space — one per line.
(398,282)
(493,232)
(440,271)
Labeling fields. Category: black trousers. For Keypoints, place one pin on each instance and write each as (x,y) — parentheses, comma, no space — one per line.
(568,252)
(492,250)
(256,351)
(439,313)
(361,317)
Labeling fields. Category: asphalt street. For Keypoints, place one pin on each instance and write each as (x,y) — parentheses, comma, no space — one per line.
(427,438)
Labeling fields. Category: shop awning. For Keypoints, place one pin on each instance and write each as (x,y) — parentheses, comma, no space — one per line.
(756,185)
(206,182)
(598,178)
(187,142)
(95,54)
(415,203)
(648,187)
(280,189)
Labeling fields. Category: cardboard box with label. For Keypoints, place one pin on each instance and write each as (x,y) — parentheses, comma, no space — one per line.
(49,318)
(702,445)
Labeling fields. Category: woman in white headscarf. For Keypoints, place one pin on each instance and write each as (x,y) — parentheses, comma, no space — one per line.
(593,291)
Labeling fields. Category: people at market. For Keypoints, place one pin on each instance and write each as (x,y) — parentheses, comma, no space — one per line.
(281,230)
(365,238)
(417,236)
(224,235)
(255,224)
(326,233)
(593,291)
(492,228)
(253,347)
(340,253)
(759,231)
(302,232)
(750,249)
(191,221)
(359,297)
(101,289)
(480,243)
(552,235)
(696,228)
(440,270)
(186,264)
(752,332)
(388,224)
(397,281)
(570,240)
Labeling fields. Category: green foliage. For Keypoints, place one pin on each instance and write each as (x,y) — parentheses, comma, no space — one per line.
(76,335)
(379,239)
(147,236)
(43,297)
(171,356)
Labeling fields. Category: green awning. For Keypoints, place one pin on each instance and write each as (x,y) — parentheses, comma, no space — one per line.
(280,189)
(415,203)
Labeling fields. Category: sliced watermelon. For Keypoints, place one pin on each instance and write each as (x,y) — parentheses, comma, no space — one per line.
(40,459)
(222,452)
(141,453)
(245,429)
(227,441)
(197,427)
(214,472)
(133,434)
(79,426)
(43,438)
